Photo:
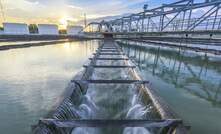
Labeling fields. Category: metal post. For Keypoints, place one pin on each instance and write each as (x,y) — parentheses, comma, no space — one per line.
(2,10)
(85,20)
(130,24)
(219,24)
(143,22)
(100,27)
(190,14)
(137,26)
(214,22)
(162,23)
(148,23)
(207,24)
(122,25)
(183,21)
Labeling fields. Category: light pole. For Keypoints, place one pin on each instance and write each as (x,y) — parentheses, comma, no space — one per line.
(2,10)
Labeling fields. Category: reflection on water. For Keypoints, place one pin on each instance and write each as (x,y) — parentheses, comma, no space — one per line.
(32,79)
(22,42)
(190,83)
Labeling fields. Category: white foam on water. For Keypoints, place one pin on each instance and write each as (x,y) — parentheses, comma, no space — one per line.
(136,130)
(111,101)
(85,111)
(137,111)
(85,130)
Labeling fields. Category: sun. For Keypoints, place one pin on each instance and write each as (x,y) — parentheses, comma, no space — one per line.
(65,21)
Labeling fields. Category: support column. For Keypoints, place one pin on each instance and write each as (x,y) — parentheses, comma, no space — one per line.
(190,15)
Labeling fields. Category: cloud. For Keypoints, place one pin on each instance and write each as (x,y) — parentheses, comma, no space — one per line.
(111,7)
(56,9)
(75,7)
(42,1)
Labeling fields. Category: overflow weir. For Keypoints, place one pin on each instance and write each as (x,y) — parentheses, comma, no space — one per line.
(108,96)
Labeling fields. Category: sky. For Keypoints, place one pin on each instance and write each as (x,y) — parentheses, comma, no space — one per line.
(59,11)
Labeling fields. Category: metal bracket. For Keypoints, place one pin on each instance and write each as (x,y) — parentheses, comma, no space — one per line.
(109,66)
(109,53)
(112,123)
(112,81)
(109,58)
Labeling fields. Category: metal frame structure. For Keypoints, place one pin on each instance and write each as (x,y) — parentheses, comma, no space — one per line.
(183,15)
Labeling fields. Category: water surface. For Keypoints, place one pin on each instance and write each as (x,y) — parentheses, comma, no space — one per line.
(7,43)
(190,82)
(31,79)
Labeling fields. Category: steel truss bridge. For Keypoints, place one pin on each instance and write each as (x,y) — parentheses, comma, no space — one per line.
(184,17)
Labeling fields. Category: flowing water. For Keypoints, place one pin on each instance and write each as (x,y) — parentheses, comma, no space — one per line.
(189,81)
(31,79)
(105,101)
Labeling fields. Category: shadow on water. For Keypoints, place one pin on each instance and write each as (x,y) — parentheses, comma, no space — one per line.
(197,78)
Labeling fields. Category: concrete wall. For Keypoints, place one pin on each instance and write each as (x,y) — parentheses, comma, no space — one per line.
(74,30)
(15,28)
(48,29)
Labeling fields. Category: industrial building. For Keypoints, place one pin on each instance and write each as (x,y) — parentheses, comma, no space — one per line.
(15,28)
(48,29)
(74,30)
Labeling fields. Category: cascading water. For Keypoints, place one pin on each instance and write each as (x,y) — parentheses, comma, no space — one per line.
(137,111)
(104,101)
(113,101)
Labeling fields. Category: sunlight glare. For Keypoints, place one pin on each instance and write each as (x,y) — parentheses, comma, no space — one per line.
(65,21)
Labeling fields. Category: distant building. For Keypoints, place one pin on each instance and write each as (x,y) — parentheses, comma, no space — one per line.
(48,29)
(74,30)
(15,28)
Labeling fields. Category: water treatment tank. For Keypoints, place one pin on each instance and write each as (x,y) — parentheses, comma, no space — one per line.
(48,29)
(15,28)
(74,30)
